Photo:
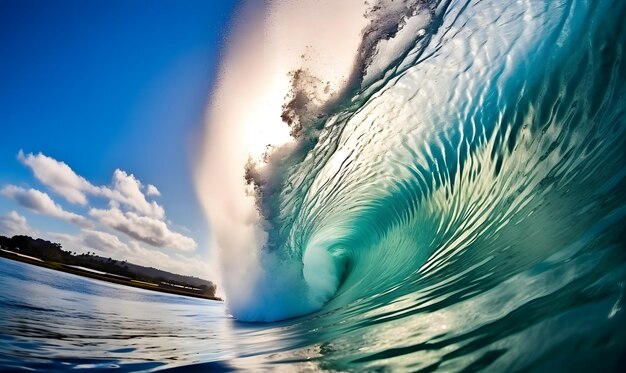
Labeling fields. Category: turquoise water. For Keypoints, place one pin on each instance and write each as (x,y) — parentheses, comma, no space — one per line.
(462,204)
(460,207)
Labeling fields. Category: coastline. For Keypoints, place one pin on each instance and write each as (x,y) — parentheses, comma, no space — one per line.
(103,277)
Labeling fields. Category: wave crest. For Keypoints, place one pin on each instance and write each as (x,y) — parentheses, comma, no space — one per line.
(442,138)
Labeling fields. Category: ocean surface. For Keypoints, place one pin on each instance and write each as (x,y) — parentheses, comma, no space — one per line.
(55,321)
(458,205)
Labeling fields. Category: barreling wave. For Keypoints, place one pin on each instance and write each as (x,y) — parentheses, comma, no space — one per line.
(464,174)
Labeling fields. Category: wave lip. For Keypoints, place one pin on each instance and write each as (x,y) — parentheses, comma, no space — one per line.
(289,97)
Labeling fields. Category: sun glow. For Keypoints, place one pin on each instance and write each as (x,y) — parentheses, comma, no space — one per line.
(319,37)
(263,124)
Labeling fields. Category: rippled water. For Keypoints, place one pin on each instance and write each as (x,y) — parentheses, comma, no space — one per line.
(51,320)
(463,207)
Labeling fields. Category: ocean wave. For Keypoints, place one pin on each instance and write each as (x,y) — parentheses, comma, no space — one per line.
(462,175)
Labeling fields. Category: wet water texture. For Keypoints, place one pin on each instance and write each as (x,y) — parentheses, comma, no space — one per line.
(461,208)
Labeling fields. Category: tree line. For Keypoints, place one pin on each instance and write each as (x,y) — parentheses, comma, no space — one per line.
(53,252)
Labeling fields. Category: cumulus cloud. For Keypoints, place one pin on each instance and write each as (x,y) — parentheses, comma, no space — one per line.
(144,228)
(106,244)
(130,210)
(58,176)
(126,191)
(41,203)
(90,240)
(13,224)
(151,190)
(125,188)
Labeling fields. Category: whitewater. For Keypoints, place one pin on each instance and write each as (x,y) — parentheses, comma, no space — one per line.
(423,185)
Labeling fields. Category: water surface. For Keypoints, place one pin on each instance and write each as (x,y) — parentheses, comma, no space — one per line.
(463,207)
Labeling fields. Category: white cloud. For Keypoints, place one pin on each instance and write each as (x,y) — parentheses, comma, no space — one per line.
(195,266)
(144,228)
(130,211)
(127,192)
(109,245)
(13,224)
(58,176)
(104,242)
(151,190)
(41,203)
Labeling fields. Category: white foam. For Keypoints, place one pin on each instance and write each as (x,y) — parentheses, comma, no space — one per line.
(267,44)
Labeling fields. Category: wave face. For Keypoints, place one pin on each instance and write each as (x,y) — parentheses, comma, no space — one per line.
(457,200)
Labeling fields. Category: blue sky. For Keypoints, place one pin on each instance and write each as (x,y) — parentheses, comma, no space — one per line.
(115,92)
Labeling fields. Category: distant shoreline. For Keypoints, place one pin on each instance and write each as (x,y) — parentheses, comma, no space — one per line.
(102,276)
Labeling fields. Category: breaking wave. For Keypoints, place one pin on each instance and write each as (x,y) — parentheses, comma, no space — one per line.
(444,173)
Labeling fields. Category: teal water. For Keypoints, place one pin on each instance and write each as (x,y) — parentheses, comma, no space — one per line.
(460,207)
(462,204)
